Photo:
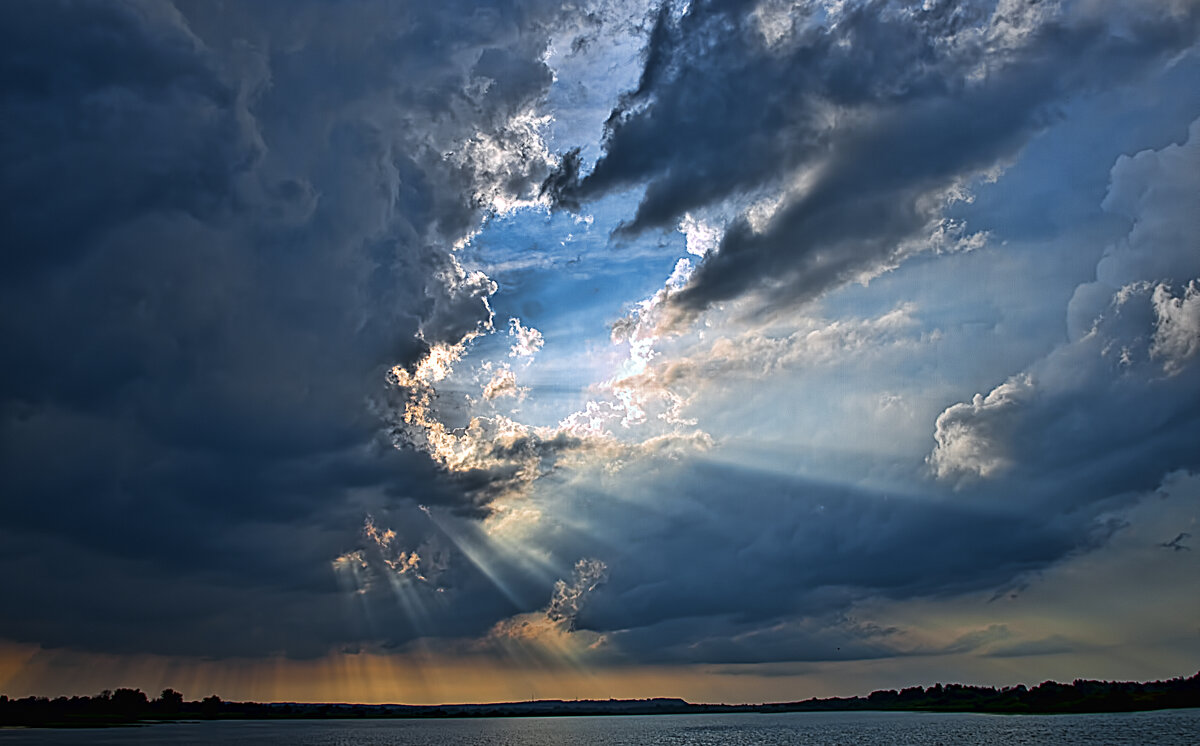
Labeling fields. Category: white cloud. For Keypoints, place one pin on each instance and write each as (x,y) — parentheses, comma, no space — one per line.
(1177,332)
(495,456)
(505,162)
(701,238)
(527,339)
(972,437)
(502,384)
(1156,190)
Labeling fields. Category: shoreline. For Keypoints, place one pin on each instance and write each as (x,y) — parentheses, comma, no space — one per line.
(131,707)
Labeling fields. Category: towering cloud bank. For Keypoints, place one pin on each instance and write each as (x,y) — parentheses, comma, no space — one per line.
(223,223)
(1118,404)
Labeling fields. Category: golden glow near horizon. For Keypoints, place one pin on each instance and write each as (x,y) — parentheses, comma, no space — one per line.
(528,657)
(381,679)
(536,656)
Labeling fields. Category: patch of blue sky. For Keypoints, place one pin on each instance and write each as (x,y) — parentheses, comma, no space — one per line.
(562,274)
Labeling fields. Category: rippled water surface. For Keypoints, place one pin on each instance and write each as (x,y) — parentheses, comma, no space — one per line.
(1166,727)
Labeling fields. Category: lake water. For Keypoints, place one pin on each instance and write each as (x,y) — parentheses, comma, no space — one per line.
(1162,728)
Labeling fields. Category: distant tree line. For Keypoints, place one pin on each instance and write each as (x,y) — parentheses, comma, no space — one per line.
(106,708)
(125,706)
(1049,697)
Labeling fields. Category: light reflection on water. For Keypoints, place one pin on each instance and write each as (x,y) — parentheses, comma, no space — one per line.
(1163,728)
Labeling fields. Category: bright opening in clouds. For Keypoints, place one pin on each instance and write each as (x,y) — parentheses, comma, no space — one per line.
(737,351)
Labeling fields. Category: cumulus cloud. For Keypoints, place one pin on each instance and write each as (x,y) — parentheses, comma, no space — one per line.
(526,340)
(503,383)
(701,237)
(870,118)
(1177,331)
(1118,401)
(496,456)
(554,624)
(490,456)
(1155,190)
(973,437)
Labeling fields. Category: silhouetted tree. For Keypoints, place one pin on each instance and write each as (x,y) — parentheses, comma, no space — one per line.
(170,700)
(130,701)
(210,706)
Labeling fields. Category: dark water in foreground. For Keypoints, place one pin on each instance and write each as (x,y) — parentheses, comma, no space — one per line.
(1166,727)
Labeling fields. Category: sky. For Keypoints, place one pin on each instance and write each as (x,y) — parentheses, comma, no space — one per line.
(390,351)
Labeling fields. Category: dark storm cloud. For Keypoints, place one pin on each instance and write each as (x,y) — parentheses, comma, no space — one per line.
(222,224)
(749,566)
(881,108)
